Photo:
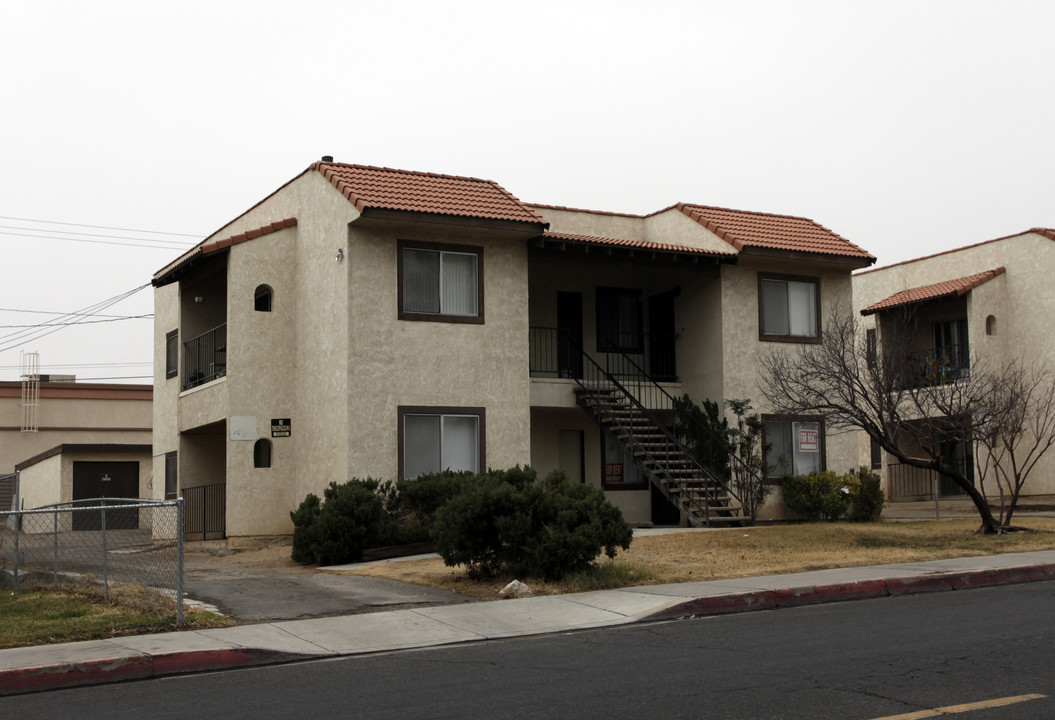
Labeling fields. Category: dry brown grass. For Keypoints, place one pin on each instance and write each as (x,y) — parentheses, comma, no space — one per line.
(748,552)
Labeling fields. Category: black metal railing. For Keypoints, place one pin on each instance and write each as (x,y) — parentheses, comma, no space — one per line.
(205,511)
(205,357)
(908,482)
(553,353)
(942,366)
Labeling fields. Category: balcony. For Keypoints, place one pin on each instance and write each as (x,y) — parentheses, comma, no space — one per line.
(941,366)
(554,354)
(205,357)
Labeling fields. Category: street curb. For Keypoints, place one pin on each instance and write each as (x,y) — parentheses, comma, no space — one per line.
(135,667)
(861,590)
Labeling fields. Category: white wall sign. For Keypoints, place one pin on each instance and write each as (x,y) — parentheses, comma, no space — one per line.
(243,427)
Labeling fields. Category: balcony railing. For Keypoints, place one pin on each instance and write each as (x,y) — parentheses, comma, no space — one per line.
(205,357)
(943,366)
(552,353)
(908,482)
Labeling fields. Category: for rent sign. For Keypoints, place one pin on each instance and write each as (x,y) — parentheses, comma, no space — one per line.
(809,440)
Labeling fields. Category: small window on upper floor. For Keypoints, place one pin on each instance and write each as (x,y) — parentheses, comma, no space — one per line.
(990,325)
(172,354)
(262,299)
(788,308)
(262,453)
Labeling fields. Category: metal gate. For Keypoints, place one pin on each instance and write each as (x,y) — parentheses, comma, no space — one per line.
(205,512)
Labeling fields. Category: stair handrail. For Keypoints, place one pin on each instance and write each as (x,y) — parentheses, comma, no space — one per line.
(644,378)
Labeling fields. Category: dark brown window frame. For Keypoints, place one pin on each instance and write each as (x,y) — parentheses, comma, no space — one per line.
(481,413)
(171,368)
(477,319)
(172,480)
(775,479)
(769,337)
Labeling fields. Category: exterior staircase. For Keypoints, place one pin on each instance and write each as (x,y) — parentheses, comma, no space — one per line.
(689,485)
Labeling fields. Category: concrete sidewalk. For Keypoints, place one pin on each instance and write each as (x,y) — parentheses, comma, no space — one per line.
(48,667)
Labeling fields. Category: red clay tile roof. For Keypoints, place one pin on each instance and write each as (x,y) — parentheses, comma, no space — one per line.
(1046,232)
(164,275)
(949,288)
(216,245)
(633,244)
(409,191)
(744,229)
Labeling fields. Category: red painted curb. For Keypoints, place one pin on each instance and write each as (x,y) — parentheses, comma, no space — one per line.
(717,605)
(1002,576)
(921,584)
(793,597)
(137,667)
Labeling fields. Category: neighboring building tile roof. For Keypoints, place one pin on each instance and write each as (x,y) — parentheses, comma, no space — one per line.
(949,288)
(408,191)
(1046,232)
(633,244)
(756,230)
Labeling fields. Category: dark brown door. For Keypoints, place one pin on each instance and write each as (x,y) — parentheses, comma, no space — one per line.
(105,479)
(662,365)
(569,334)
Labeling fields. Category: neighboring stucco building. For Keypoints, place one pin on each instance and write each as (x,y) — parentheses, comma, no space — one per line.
(364,321)
(67,413)
(983,301)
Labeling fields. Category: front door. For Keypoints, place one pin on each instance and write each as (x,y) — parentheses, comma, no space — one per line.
(662,365)
(569,334)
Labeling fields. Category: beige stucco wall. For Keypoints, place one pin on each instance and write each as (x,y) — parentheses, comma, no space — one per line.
(41,484)
(397,362)
(1020,300)
(166,390)
(100,415)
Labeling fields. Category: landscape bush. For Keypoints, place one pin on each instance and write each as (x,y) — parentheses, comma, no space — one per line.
(510,520)
(819,495)
(350,518)
(867,503)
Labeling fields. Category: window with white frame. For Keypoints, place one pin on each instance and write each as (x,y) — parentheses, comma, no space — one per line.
(789,308)
(436,439)
(794,446)
(440,282)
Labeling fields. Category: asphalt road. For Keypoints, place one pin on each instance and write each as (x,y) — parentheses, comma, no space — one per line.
(857,660)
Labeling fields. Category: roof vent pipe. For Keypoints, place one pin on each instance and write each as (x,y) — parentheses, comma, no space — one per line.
(327,158)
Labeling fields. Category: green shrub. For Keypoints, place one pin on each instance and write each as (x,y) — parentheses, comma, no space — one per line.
(351,518)
(510,520)
(867,504)
(820,495)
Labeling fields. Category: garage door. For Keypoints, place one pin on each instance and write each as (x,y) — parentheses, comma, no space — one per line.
(105,479)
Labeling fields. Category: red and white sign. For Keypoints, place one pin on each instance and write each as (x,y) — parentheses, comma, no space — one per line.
(809,440)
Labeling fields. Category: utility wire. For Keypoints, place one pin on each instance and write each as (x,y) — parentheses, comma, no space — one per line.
(159,241)
(21,337)
(97,227)
(170,248)
(52,312)
(82,322)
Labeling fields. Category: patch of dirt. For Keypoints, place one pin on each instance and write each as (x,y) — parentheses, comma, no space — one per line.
(214,560)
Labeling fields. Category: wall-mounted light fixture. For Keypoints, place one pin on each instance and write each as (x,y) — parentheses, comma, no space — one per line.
(340,254)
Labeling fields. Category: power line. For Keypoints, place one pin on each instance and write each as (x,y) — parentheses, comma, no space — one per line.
(21,337)
(83,322)
(100,242)
(52,312)
(178,243)
(97,227)
(52,366)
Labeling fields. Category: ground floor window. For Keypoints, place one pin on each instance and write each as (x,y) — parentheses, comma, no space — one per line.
(793,445)
(170,476)
(437,439)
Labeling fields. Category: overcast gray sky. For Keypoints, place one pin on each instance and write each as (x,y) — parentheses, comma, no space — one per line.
(907,127)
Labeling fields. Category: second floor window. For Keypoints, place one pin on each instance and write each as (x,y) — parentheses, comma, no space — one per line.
(789,308)
(440,282)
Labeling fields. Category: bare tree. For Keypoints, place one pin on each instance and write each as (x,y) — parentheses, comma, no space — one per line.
(889,393)
(1021,430)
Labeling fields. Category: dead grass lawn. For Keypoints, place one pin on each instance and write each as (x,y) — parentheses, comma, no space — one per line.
(748,552)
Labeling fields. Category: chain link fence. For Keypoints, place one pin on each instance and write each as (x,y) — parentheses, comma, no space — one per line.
(126,551)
